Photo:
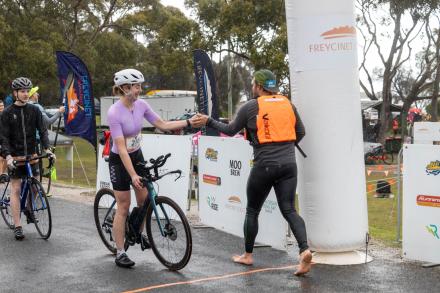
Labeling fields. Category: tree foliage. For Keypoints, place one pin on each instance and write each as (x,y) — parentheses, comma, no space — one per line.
(403,73)
(107,35)
(253,30)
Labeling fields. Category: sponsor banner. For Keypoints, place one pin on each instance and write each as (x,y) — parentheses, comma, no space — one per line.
(153,146)
(211,154)
(212,179)
(434,230)
(77,96)
(222,191)
(325,42)
(206,88)
(428,200)
(433,168)
(421,202)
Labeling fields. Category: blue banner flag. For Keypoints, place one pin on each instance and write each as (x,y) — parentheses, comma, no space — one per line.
(206,88)
(77,97)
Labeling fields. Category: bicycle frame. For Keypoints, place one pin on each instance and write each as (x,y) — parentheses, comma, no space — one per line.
(152,197)
(24,190)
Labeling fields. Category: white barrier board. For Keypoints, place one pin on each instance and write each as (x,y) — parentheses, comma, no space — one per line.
(153,146)
(426,132)
(224,166)
(421,203)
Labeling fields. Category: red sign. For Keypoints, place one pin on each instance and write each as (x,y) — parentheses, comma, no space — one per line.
(428,200)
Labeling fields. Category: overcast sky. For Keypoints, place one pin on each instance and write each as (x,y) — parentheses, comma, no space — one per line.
(177,3)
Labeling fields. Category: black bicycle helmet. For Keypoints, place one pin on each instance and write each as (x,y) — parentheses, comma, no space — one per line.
(21,83)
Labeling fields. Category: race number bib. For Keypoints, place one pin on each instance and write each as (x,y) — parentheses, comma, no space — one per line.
(133,143)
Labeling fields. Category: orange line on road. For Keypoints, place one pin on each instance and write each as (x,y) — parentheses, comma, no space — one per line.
(208,279)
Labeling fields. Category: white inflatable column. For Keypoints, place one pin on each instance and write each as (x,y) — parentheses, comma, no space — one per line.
(325,89)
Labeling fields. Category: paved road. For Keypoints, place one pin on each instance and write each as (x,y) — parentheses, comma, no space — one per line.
(74,260)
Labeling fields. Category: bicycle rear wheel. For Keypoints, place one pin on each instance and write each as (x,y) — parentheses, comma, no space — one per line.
(174,249)
(40,209)
(104,210)
(5,204)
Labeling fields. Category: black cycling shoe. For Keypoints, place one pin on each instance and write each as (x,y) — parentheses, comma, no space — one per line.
(124,261)
(143,240)
(30,218)
(18,231)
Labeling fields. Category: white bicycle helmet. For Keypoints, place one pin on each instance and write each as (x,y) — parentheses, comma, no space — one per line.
(128,76)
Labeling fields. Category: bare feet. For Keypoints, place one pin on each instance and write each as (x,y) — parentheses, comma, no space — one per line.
(244,259)
(305,263)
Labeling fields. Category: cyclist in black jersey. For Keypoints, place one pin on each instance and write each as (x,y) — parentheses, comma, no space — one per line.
(20,123)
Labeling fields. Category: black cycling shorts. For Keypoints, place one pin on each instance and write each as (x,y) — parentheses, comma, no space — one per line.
(21,172)
(118,174)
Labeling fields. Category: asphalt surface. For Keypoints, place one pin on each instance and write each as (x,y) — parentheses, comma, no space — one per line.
(75,260)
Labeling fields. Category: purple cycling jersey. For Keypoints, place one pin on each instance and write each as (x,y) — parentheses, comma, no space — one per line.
(126,123)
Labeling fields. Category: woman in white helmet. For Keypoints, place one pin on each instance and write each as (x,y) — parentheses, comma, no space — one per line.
(125,119)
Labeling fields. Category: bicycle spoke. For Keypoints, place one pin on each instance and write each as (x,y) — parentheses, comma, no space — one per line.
(39,210)
(173,249)
(104,212)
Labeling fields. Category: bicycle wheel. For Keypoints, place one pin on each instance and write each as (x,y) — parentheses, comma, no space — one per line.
(387,158)
(174,249)
(5,205)
(40,209)
(104,210)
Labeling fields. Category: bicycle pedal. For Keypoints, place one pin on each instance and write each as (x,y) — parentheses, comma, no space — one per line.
(145,246)
(144,242)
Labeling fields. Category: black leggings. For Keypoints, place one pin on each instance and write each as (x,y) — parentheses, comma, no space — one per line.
(284,179)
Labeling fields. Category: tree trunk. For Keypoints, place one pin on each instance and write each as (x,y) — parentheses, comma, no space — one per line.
(385,111)
(434,108)
(403,115)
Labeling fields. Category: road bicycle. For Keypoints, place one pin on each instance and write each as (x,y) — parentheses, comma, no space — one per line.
(33,200)
(166,225)
(379,155)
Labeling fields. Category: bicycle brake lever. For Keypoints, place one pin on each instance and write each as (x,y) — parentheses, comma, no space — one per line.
(180,175)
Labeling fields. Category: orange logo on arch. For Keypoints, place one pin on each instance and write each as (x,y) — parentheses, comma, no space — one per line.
(72,102)
(340,32)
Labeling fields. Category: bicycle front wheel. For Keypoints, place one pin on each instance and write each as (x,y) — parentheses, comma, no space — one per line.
(40,209)
(104,210)
(5,204)
(174,248)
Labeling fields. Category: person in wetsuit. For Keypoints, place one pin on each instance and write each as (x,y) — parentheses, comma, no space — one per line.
(273,127)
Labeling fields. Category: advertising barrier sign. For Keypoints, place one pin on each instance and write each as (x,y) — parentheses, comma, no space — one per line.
(153,146)
(421,203)
(224,167)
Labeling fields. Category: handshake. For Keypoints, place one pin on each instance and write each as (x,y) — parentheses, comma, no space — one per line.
(198,120)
